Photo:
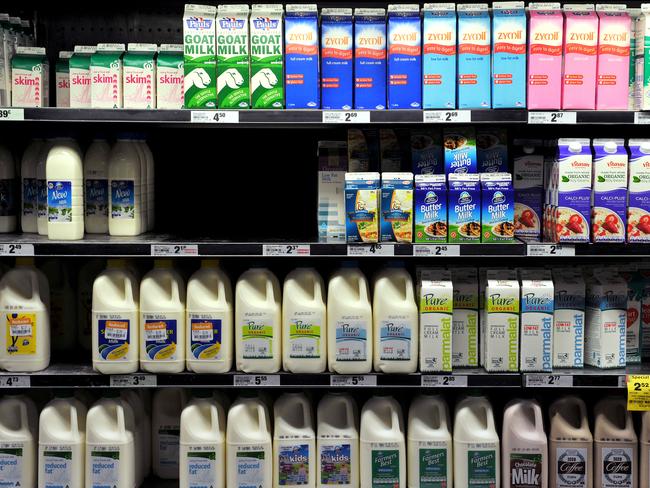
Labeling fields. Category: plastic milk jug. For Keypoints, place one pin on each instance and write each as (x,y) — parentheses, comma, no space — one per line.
(145,399)
(96,186)
(249,446)
(28,186)
(645,449)
(168,405)
(63,309)
(41,187)
(18,441)
(209,320)
(349,322)
(8,196)
(476,444)
(144,187)
(162,320)
(150,183)
(429,443)
(125,183)
(85,280)
(383,447)
(65,191)
(258,322)
(304,322)
(141,435)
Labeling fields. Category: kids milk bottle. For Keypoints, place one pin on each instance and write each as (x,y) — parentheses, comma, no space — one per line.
(8,197)
(258,322)
(645,450)
(168,405)
(304,322)
(18,441)
(28,185)
(125,187)
(141,435)
(41,187)
(96,186)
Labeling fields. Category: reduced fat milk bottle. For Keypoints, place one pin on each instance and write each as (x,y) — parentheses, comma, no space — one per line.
(165,431)
(96,186)
(29,186)
(404,57)
(18,441)
(65,191)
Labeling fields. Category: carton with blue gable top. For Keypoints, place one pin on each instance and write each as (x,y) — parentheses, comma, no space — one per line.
(464,207)
(508,55)
(430,209)
(460,150)
(498,210)
(301,62)
(474,87)
(337,43)
(370,58)
(362,207)
(404,57)
(396,207)
(439,56)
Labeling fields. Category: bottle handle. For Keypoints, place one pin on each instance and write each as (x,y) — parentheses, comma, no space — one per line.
(214,417)
(270,294)
(489,418)
(539,421)
(363,288)
(408,290)
(74,421)
(24,418)
(34,282)
(128,289)
(261,417)
(121,421)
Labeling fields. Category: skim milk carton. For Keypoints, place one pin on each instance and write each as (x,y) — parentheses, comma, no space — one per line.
(370,58)
(200,56)
(169,77)
(62,74)
(569,318)
(635,294)
(430,209)
(465,324)
(396,222)
(436,312)
(140,76)
(404,57)
(612,79)
(233,57)
(609,195)
(528,183)
(266,56)
(106,70)
(638,186)
(460,150)
(474,87)
(498,208)
(580,57)
(80,76)
(362,207)
(439,56)
(30,78)
(642,57)
(337,41)
(536,332)
(464,208)
(501,330)
(508,55)
(302,65)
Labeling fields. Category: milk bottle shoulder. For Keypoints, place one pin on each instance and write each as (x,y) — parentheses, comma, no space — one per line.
(165,429)
(96,186)
(18,441)
(64,175)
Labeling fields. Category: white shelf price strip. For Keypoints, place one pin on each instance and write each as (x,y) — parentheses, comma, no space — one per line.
(552,380)
(286,250)
(446,116)
(140,380)
(174,250)
(371,250)
(346,117)
(353,380)
(18,381)
(16,249)
(214,117)
(12,114)
(550,250)
(436,250)
(256,380)
(444,381)
(552,117)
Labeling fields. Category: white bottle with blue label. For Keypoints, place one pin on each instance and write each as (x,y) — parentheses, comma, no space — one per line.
(141,434)
(18,441)
(96,186)
(8,196)
(125,187)
(28,186)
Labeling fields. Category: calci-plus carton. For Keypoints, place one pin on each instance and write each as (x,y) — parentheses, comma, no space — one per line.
(337,41)
(500,330)
(474,62)
(612,78)
(140,76)
(396,207)
(362,207)
(436,314)
(430,208)
(80,76)
(233,57)
(439,56)
(569,318)
(404,57)
(528,183)
(30,81)
(370,58)
(464,208)
(170,77)
(62,79)
(508,55)
(609,194)
(266,56)
(638,187)
(302,49)
(464,336)
(200,56)
(536,331)
(106,70)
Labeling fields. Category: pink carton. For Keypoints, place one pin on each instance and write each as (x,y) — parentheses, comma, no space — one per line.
(580,57)
(612,80)
(546,32)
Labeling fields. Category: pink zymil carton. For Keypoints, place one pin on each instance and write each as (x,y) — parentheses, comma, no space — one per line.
(612,80)
(546,33)
(580,57)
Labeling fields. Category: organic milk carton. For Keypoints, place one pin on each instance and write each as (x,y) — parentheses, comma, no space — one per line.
(580,57)
(439,56)
(62,74)
(528,183)
(464,207)
(436,311)
(492,150)
(498,208)
(642,59)
(569,318)
(464,334)
(106,70)
(460,150)
(404,57)
(332,166)
(609,200)
(361,207)
(426,152)
(612,78)
(337,41)
(536,332)
(200,56)
(509,55)
(140,76)
(474,90)
(301,48)
(30,78)
(370,58)
(80,76)
(430,209)
(170,77)
(266,56)
(233,57)
(396,207)
(636,290)
(500,331)
(546,34)
(638,212)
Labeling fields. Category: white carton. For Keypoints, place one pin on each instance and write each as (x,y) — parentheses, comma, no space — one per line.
(80,76)
(332,165)
(501,325)
(62,80)
(106,68)
(29,78)
(636,289)
(569,318)
(465,323)
(140,76)
(436,312)
(536,344)
(170,77)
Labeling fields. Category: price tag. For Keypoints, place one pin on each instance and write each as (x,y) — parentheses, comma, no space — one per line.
(214,117)
(12,114)
(446,116)
(256,380)
(15,381)
(554,380)
(139,380)
(550,250)
(286,250)
(552,117)
(352,380)
(638,392)
(16,249)
(622,381)
(642,118)
(444,381)
(371,250)
(436,250)
(174,250)
(343,117)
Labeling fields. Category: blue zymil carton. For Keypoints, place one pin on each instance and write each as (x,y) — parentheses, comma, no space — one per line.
(498,208)
(362,207)
(396,223)
(508,55)
(439,56)
(337,44)
(301,63)
(370,58)
(404,57)
(464,208)
(430,209)
(474,56)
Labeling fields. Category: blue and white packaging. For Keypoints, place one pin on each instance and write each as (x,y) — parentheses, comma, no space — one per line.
(460,150)
(569,318)
(301,63)
(464,207)
(537,307)
(362,207)
(404,57)
(508,55)
(528,183)
(396,224)
(337,44)
(439,56)
(370,58)
(332,166)
(474,87)
(492,150)
(638,213)
(430,209)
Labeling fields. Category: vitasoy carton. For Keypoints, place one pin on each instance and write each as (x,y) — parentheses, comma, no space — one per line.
(266,56)
(404,57)
(439,56)
(436,313)
(474,41)
(465,323)
(200,56)
(233,57)
(638,211)
(580,57)
(30,78)
(302,65)
(62,75)
(536,333)
(169,77)
(569,318)
(508,55)
(140,76)
(80,76)
(500,331)
(609,196)
(370,58)
(106,70)
(612,79)
(337,63)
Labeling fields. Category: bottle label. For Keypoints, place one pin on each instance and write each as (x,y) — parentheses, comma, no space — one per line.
(11,464)
(41,198)
(395,340)
(205,339)
(250,469)
(305,335)
(201,467)
(105,466)
(113,336)
(7,198)
(433,467)
(294,465)
(257,335)
(571,468)
(482,468)
(617,467)
(335,464)
(525,470)
(97,198)
(351,340)
(168,442)
(122,199)
(385,468)
(57,466)
(160,337)
(21,334)
(59,201)
(29,196)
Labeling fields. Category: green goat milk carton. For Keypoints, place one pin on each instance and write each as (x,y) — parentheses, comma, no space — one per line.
(233,57)
(266,56)
(200,56)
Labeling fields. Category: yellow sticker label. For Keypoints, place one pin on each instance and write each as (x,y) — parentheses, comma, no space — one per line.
(638,392)
(21,334)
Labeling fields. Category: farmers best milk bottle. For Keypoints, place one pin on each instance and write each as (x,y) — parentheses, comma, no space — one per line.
(96,186)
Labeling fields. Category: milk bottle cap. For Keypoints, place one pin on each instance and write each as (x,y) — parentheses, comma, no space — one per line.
(610,147)
(116,263)
(528,149)
(575,147)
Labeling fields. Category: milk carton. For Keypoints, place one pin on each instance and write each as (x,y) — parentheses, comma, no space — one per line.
(80,76)
(140,76)
(396,207)
(631,100)
(439,56)
(500,330)
(390,151)
(460,150)
(30,78)
(509,55)
(266,56)
(464,208)
(609,201)
(546,34)
(638,186)
(642,56)
(106,70)
(361,207)
(536,332)
(580,57)
(62,74)
(200,56)
(370,58)
(612,78)
(635,295)
(474,90)
(436,308)
(569,318)
(465,323)
(233,57)
(430,209)
(336,58)
(170,77)
(332,165)
(498,208)
(426,152)
(404,57)
(301,48)
(492,150)
(528,183)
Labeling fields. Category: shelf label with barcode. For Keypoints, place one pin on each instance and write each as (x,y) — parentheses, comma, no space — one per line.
(436,250)
(550,250)
(371,250)
(16,249)
(346,117)
(552,117)
(174,250)
(353,380)
(12,114)
(642,118)
(622,381)
(286,249)
(19,381)
(215,117)
(552,380)
(444,381)
(256,380)
(447,116)
(140,380)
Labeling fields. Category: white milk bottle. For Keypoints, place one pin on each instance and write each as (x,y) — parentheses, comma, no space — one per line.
(62,443)
(249,445)
(203,443)
(304,322)
(525,448)
(85,279)
(25,307)
(395,322)
(168,405)
(615,449)
(349,322)
(294,442)
(645,450)
(141,436)
(18,441)
(63,300)
(41,187)
(429,443)
(162,320)
(8,196)
(115,314)
(96,186)
(382,447)
(145,399)
(209,320)
(149,183)
(29,189)
(570,444)
(125,189)
(65,191)
(258,322)
(110,444)
(338,441)
(144,199)
(476,444)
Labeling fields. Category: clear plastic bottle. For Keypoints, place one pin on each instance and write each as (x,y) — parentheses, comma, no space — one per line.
(125,186)
(29,212)
(96,186)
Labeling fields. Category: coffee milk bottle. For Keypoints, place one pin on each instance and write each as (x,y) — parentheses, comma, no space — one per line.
(645,450)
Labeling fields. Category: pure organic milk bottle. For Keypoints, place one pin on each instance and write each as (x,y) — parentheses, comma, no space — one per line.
(349,322)
(141,434)
(41,187)
(258,322)
(62,443)
(304,322)
(338,441)
(28,185)
(165,426)
(383,448)
(7,191)
(18,441)
(429,443)
(645,450)
(209,320)
(125,183)
(96,186)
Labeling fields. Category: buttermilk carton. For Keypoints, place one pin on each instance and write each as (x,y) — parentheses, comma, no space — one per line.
(498,208)
(642,59)
(580,57)
(200,56)
(430,209)
(636,290)
(62,79)
(508,55)
(362,207)
(396,207)
(404,57)
(460,150)
(536,331)
(500,330)
(465,322)
(492,150)
(609,195)
(30,78)
(464,208)
(436,312)
(233,57)
(638,187)
(337,41)
(474,86)
(439,56)
(370,58)
(266,56)
(140,76)
(332,166)
(569,318)
(426,152)
(612,78)
(80,76)
(170,77)
(106,70)
(302,65)
(528,183)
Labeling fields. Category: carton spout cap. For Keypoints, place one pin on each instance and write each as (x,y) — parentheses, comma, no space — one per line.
(610,147)
(645,148)
(575,147)
(529,149)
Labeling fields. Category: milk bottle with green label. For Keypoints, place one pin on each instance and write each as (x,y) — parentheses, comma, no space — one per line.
(233,57)
(266,56)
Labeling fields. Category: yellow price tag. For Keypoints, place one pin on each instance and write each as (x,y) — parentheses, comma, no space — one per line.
(638,392)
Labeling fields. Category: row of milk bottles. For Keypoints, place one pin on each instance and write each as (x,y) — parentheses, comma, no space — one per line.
(109,190)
